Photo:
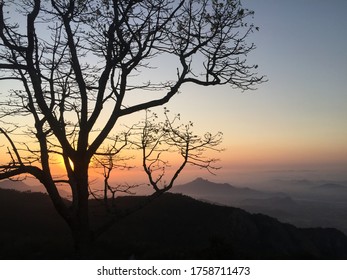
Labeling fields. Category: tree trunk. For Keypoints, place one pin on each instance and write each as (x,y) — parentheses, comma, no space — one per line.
(82,237)
(80,226)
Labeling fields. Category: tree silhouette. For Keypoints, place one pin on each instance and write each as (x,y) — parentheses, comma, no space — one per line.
(108,160)
(156,140)
(78,64)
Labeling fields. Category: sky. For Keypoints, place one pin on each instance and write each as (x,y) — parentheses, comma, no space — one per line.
(293,125)
(296,123)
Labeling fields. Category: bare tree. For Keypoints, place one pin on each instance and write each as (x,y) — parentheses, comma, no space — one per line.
(108,160)
(78,62)
(158,140)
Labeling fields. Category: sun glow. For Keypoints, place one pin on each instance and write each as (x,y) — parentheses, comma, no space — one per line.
(62,165)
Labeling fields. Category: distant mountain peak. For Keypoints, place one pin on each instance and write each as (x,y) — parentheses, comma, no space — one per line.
(200,179)
(204,187)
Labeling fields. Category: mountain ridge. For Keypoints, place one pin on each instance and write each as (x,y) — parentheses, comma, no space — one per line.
(171,227)
(206,187)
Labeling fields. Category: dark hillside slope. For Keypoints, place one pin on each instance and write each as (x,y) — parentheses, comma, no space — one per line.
(177,226)
(30,228)
(171,227)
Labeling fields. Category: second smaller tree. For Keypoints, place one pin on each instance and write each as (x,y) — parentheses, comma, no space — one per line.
(159,140)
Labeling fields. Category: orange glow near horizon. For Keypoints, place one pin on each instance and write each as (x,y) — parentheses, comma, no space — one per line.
(248,155)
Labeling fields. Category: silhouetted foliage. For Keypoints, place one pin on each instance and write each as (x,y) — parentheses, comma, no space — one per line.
(79,62)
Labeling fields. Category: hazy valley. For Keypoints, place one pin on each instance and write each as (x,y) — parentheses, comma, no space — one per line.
(303,203)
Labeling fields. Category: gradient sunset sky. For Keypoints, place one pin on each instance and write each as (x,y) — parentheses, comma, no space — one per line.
(296,123)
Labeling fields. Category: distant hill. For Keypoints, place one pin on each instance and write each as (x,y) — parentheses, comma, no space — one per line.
(7,184)
(21,186)
(202,186)
(288,185)
(273,201)
(331,187)
(216,192)
(331,192)
(171,227)
(304,187)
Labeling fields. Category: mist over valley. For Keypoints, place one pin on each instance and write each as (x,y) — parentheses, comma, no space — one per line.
(303,203)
